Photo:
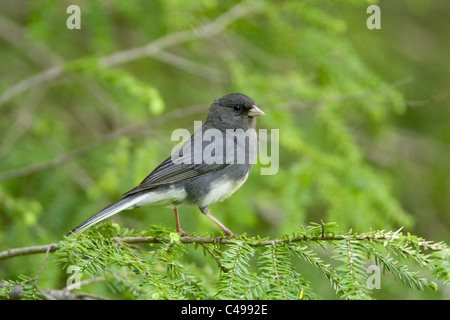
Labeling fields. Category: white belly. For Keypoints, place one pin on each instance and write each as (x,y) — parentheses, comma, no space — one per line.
(159,197)
(222,189)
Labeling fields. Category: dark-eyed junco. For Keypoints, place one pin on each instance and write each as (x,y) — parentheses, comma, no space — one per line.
(207,168)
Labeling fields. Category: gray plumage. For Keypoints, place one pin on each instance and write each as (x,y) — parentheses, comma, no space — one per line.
(226,159)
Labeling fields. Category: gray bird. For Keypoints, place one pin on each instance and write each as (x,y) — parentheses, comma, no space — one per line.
(207,168)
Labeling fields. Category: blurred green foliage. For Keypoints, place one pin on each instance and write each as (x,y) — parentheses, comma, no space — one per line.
(363,116)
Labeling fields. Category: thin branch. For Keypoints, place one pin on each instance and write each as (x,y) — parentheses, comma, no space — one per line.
(68,295)
(35,279)
(189,66)
(28,250)
(119,242)
(150,50)
(233,271)
(276,276)
(82,283)
(10,253)
(208,30)
(36,51)
(210,251)
(437,98)
(64,294)
(73,154)
(29,83)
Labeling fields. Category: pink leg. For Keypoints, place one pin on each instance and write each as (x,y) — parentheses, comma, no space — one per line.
(205,211)
(177,221)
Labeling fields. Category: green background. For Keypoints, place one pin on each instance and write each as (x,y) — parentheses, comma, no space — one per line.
(363,116)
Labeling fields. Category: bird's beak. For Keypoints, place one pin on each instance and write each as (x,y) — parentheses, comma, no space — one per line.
(255,112)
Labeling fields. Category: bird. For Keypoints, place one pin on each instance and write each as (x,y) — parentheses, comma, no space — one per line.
(199,172)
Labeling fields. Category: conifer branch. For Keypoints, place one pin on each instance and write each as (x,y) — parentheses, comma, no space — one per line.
(109,252)
(10,253)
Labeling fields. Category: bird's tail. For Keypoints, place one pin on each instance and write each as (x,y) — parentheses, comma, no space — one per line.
(107,212)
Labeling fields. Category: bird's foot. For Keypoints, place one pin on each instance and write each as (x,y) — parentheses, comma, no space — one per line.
(182,232)
(227,236)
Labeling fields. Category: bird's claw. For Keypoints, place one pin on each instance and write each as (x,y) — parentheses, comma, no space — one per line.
(183,233)
(227,236)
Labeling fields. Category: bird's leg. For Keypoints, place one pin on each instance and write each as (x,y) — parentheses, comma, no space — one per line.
(177,221)
(205,211)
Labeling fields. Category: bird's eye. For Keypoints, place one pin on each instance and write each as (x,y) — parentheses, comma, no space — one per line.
(237,108)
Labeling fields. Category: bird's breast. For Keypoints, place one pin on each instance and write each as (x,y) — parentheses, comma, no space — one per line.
(222,188)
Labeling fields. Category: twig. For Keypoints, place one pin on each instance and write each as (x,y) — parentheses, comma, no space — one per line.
(64,294)
(82,283)
(208,30)
(35,279)
(437,98)
(276,276)
(214,256)
(28,250)
(189,66)
(150,50)
(124,131)
(36,51)
(233,271)
(29,83)
(119,242)
(68,295)
(10,253)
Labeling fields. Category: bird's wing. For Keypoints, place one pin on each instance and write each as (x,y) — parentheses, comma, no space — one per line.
(176,169)
(168,173)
